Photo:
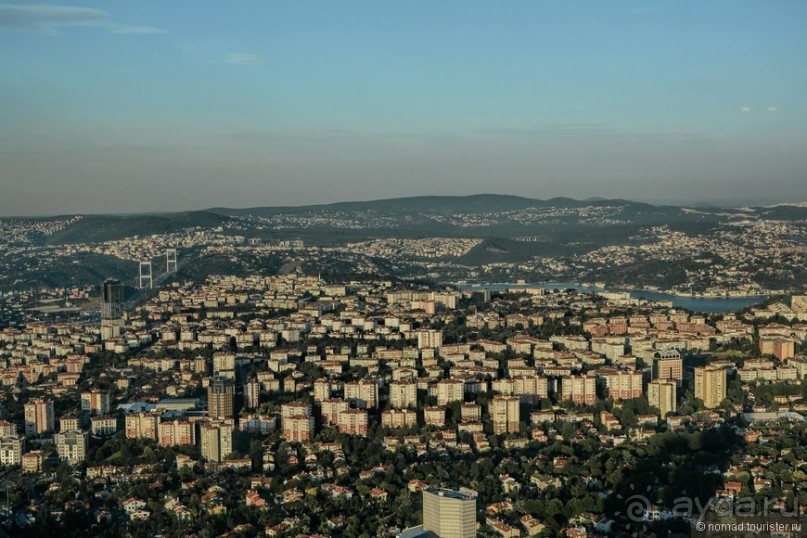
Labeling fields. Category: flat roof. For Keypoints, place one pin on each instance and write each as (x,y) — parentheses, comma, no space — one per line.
(463,495)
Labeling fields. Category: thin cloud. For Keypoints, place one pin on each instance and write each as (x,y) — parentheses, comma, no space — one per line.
(546,128)
(46,17)
(49,19)
(137,30)
(244,58)
(771,109)
(746,109)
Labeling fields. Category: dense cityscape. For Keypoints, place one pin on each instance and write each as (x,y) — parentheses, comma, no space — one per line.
(614,244)
(403,269)
(292,404)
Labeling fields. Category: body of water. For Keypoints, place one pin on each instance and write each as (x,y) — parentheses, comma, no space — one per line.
(696,304)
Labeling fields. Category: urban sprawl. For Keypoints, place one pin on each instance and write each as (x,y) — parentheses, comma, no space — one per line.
(285,405)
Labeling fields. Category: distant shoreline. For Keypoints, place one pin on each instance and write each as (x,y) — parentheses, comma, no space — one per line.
(728,295)
(593,287)
(696,303)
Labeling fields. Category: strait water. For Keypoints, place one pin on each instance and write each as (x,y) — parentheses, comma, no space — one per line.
(696,304)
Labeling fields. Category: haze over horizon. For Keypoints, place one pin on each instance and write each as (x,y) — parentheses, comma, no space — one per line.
(151,107)
(727,204)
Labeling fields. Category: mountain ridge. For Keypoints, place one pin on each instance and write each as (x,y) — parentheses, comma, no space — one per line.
(479,215)
(492,201)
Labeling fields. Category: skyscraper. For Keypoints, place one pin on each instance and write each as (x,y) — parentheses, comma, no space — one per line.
(221,398)
(112,299)
(448,513)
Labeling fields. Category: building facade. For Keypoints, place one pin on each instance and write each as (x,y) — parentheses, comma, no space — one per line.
(39,417)
(142,426)
(448,513)
(505,414)
(221,398)
(667,364)
(580,389)
(296,422)
(353,422)
(710,385)
(216,441)
(112,299)
(96,402)
(661,394)
(11,449)
(403,395)
(72,446)
(177,432)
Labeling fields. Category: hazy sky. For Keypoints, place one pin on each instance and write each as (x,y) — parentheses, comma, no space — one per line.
(141,105)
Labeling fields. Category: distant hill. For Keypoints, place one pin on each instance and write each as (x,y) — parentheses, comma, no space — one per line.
(585,223)
(783,212)
(97,228)
(473,203)
(476,203)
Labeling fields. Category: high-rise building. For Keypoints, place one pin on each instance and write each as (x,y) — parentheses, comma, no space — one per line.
(111,299)
(11,448)
(39,417)
(399,418)
(216,440)
(353,422)
(710,385)
(403,394)
(780,347)
(661,394)
(299,428)
(72,445)
(95,401)
(450,390)
(505,414)
(622,385)
(667,364)
(448,513)
(142,426)
(296,422)
(177,432)
(322,389)
(429,338)
(252,394)
(331,409)
(221,398)
(580,389)
(364,393)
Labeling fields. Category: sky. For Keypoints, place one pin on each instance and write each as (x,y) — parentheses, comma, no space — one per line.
(136,106)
